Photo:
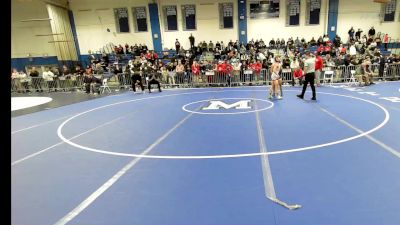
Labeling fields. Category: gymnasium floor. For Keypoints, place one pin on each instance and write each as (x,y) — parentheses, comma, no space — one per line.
(164,158)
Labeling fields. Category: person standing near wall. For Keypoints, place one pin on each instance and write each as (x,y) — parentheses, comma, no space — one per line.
(351,34)
(371,32)
(309,68)
(358,34)
(319,63)
(191,40)
(386,41)
(177,46)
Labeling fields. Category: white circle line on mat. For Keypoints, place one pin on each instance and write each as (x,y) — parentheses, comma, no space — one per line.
(276,152)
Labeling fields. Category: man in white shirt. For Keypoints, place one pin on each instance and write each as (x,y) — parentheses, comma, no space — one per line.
(48,77)
(309,69)
(353,50)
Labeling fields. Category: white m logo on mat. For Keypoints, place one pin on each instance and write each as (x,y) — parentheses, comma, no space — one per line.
(243,104)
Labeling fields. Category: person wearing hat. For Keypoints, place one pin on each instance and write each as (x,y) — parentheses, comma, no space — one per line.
(309,68)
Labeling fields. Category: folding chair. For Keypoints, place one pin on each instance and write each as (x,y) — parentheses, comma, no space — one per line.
(352,80)
(105,86)
(328,77)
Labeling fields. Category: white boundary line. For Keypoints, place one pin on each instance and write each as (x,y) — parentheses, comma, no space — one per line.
(269,186)
(47,122)
(191,103)
(381,144)
(276,152)
(38,125)
(61,142)
(266,168)
(89,200)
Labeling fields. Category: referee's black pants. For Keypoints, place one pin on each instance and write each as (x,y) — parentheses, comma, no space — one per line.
(309,79)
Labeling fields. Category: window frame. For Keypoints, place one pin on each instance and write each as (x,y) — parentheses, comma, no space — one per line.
(165,19)
(287,16)
(135,24)
(308,12)
(116,19)
(184,25)
(221,15)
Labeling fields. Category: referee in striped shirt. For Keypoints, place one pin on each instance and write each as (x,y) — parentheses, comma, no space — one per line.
(309,69)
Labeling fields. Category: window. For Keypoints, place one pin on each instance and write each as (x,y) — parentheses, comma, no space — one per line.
(389,11)
(313,9)
(226,15)
(189,17)
(170,18)
(121,18)
(140,19)
(293,13)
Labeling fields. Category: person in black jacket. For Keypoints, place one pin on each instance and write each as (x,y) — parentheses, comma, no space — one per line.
(36,81)
(191,40)
(135,76)
(91,82)
(371,32)
(151,74)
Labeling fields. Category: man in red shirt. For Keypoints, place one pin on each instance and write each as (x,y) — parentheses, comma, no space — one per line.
(320,49)
(299,74)
(256,67)
(319,62)
(386,41)
(196,71)
(229,69)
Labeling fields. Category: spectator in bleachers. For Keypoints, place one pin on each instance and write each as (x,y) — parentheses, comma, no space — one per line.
(79,70)
(378,41)
(16,84)
(48,76)
(312,42)
(36,80)
(320,41)
(386,41)
(211,46)
(364,40)
(91,82)
(337,41)
(191,40)
(321,49)
(326,39)
(351,34)
(329,61)
(358,34)
(342,50)
(353,50)
(371,32)
(177,46)
(272,43)
(180,70)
